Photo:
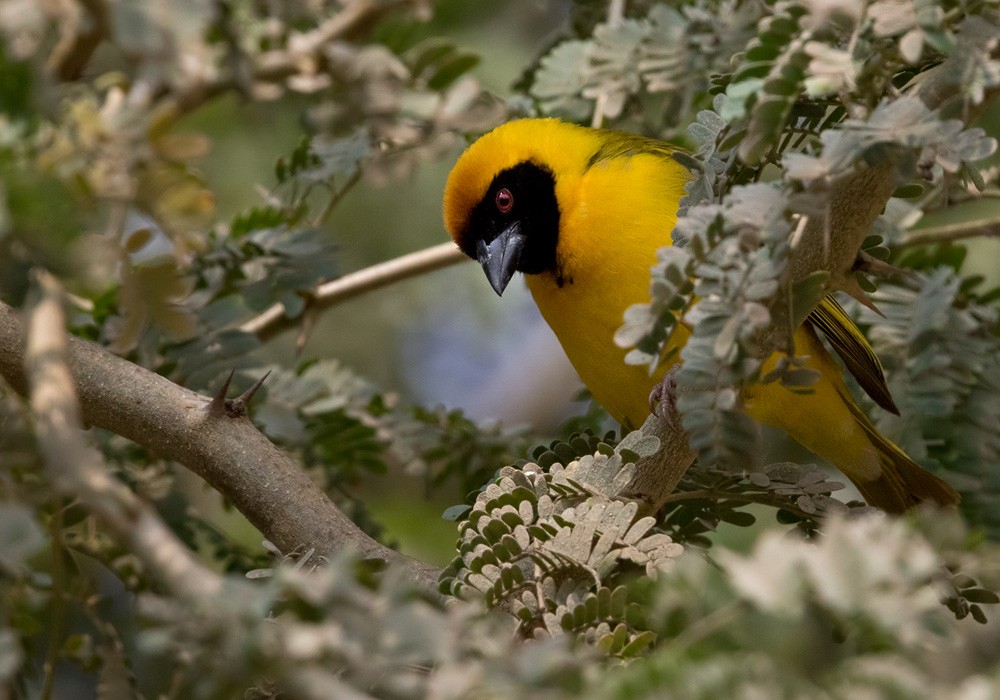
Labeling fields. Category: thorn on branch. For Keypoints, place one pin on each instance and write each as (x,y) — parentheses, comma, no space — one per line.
(218,405)
(867,263)
(241,402)
(233,408)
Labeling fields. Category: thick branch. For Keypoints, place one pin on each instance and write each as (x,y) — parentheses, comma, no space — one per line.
(273,492)
(657,476)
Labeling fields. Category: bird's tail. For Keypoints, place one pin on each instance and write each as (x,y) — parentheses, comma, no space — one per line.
(902,483)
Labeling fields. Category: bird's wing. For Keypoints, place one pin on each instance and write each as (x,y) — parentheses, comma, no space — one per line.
(617,144)
(853,348)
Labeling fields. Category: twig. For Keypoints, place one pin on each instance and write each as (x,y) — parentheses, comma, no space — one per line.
(704,627)
(273,321)
(70,55)
(336,197)
(869,264)
(763,499)
(616,13)
(940,234)
(58,616)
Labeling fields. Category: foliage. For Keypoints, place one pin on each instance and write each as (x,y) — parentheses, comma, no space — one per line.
(556,544)
(553,546)
(947,358)
(752,580)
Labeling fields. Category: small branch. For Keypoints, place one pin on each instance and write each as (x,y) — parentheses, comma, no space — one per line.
(854,200)
(858,197)
(748,498)
(942,234)
(616,12)
(273,321)
(869,264)
(706,626)
(57,628)
(657,476)
(70,55)
(615,16)
(335,199)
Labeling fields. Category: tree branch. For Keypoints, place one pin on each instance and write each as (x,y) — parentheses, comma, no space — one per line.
(273,492)
(857,198)
(273,321)
(657,476)
(79,41)
(942,234)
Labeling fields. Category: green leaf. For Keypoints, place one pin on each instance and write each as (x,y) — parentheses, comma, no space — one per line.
(981,595)
(806,294)
(449,71)
(455,513)
(739,518)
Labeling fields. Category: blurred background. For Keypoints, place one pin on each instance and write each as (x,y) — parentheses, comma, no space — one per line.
(439,338)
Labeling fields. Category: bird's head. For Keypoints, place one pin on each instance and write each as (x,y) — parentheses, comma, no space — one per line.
(501,202)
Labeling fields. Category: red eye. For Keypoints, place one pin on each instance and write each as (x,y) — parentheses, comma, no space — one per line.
(504,201)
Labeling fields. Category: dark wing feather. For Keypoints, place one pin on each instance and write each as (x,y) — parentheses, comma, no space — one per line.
(853,348)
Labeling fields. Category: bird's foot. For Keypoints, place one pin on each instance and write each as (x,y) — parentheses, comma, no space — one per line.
(663,397)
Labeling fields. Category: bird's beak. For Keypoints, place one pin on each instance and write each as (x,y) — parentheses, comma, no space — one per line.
(499,258)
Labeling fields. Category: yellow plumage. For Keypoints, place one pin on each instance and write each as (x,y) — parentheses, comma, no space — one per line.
(582,212)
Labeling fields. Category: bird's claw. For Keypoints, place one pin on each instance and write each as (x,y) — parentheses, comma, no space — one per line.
(663,397)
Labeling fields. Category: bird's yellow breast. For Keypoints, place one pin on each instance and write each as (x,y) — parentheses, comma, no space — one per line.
(613,218)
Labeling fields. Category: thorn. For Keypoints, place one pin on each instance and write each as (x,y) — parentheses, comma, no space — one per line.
(852,288)
(865,262)
(218,404)
(233,408)
(243,399)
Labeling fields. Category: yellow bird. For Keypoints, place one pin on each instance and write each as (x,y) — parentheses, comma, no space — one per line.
(581,212)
